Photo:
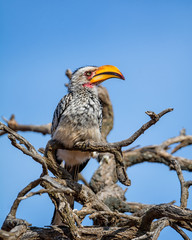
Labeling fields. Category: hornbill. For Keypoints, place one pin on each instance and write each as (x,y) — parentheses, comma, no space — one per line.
(78,117)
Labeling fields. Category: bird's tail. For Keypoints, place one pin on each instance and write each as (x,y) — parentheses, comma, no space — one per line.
(73,170)
(56,220)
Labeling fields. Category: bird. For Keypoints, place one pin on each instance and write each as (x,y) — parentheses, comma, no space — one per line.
(78,117)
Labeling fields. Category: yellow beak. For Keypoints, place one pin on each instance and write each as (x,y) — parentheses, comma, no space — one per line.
(105,72)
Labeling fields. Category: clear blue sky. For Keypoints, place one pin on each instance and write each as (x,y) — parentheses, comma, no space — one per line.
(149,41)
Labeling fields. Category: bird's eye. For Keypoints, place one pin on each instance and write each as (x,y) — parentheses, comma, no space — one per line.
(88,74)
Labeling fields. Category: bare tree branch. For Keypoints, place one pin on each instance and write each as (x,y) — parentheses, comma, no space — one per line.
(14,125)
(27,149)
(164,210)
(100,213)
(184,185)
(103,200)
(162,223)
(180,231)
(154,154)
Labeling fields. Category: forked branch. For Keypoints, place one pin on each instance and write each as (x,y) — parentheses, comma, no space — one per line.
(98,204)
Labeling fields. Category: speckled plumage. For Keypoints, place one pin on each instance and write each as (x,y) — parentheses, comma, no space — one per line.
(78,117)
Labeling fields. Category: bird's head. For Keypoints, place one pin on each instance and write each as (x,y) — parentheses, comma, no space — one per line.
(90,76)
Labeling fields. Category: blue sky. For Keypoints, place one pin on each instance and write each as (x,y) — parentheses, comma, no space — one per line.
(149,41)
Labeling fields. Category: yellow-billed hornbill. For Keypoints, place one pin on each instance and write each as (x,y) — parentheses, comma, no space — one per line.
(78,117)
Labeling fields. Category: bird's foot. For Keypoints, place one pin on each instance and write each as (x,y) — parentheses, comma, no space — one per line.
(84,145)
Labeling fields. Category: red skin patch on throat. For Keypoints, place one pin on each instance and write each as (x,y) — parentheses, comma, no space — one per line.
(89,85)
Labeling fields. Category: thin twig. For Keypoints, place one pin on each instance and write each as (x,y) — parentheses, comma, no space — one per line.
(22,193)
(14,125)
(162,223)
(42,191)
(184,186)
(27,149)
(180,231)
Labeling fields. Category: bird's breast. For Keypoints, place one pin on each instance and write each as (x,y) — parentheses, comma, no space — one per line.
(69,135)
(79,122)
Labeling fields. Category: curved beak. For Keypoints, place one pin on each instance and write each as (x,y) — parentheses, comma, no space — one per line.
(105,72)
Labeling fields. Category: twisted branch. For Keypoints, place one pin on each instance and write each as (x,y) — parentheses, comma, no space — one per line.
(105,201)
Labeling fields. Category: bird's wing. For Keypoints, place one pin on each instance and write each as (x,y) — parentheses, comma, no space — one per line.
(61,107)
(100,118)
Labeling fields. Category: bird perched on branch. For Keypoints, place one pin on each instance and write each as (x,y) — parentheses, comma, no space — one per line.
(78,116)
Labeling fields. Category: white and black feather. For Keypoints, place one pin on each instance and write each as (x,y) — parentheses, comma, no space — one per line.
(77,117)
(62,105)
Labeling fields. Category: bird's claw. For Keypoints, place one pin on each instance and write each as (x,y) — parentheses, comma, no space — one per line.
(83,145)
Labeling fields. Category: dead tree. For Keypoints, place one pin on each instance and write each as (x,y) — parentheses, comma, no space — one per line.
(102,199)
